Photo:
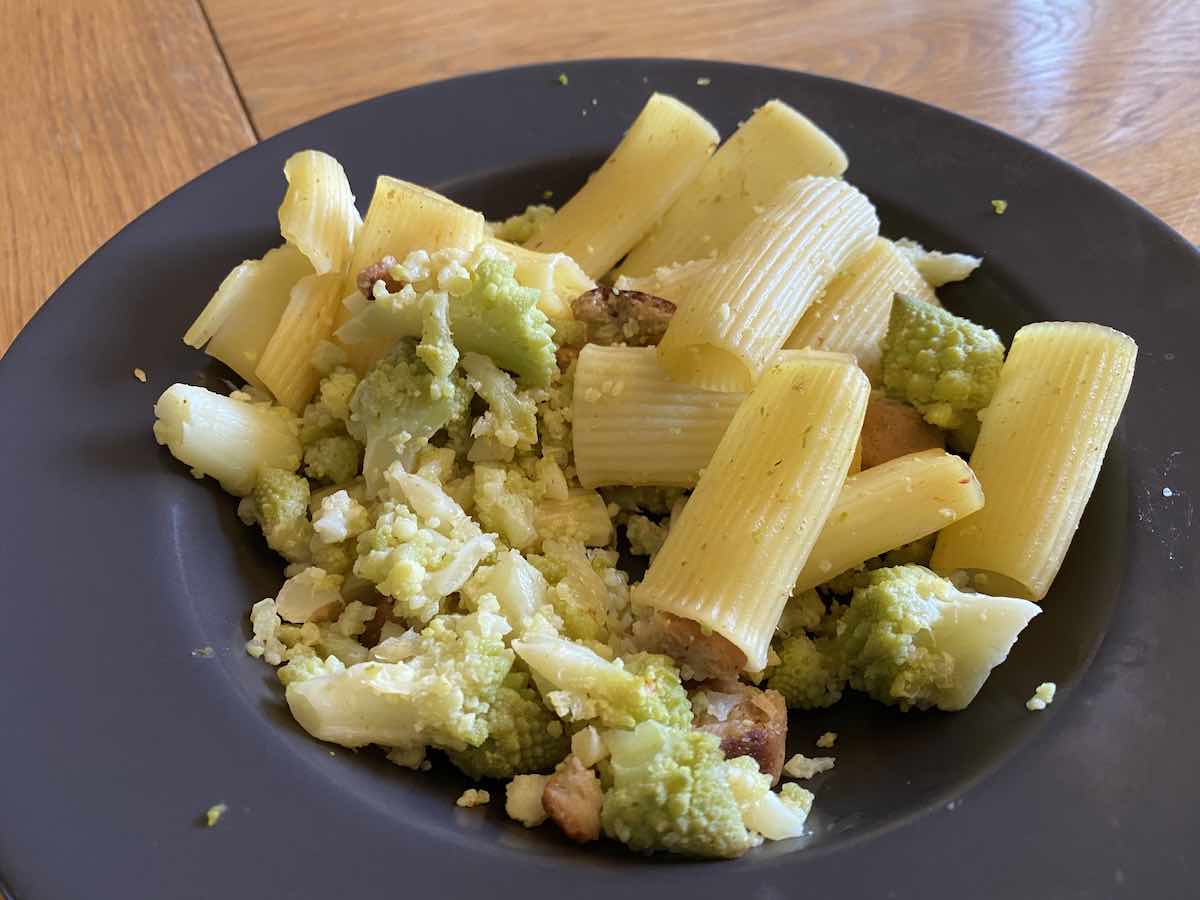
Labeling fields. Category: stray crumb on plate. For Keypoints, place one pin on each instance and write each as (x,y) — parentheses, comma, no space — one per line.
(473,797)
(205,652)
(801,766)
(704,81)
(999,206)
(213,815)
(547,194)
(140,375)
(1042,697)
(563,79)
(827,740)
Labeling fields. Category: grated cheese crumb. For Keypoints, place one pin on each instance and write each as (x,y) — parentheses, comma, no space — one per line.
(801,766)
(473,797)
(213,815)
(1042,697)
(999,206)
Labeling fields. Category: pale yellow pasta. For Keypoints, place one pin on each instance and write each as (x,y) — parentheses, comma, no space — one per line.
(556,275)
(404,217)
(672,282)
(317,215)
(731,559)
(633,425)
(773,147)
(1039,451)
(888,506)
(286,363)
(582,516)
(734,320)
(665,147)
(852,316)
(242,315)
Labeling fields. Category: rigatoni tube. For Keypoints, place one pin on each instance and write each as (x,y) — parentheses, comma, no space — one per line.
(852,316)
(229,440)
(656,159)
(1039,451)
(317,215)
(731,560)
(888,506)
(734,321)
(633,425)
(773,147)
(285,366)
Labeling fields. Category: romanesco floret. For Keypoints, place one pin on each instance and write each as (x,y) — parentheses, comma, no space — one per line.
(671,791)
(437,348)
(523,735)
(645,536)
(422,547)
(580,685)
(439,694)
(519,589)
(810,674)
(511,417)
(912,638)
(773,816)
(944,365)
(524,225)
(280,506)
(577,591)
(506,502)
(335,458)
(329,411)
(398,406)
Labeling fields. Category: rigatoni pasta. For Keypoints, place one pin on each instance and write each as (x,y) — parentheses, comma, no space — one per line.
(731,560)
(773,147)
(735,320)
(1039,451)
(656,160)
(852,316)
(633,425)
(890,505)
(286,365)
(318,215)
(242,315)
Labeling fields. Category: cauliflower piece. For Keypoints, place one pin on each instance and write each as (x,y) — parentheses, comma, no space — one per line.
(523,799)
(577,592)
(764,812)
(264,625)
(555,414)
(580,516)
(671,791)
(1042,697)
(797,798)
(523,226)
(340,517)
(519,589)
(588,746)
(645,536)
(439,696)
(945,366)
(511,418)
(912,638)
(810,674)
(334,459)
(310,596)
(329,412)
(523,735)
(422,548)
(827,740)
(938,268)
(506,502)
(804,767)
(280,507)
(436,348)
(579,684)
(398,406)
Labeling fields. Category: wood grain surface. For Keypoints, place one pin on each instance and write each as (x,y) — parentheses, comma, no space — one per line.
(116,102)
(108,105)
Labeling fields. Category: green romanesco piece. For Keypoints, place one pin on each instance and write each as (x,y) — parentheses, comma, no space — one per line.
(439,694)
(911,638)
(666,700)
(280,506)
(577,591)
(944,365)
(334,459)
(810,674)
(505,501)
(523,735)
(511,417)
(398,406)
(329,411)
(499,317)
(670,791)
(437,348)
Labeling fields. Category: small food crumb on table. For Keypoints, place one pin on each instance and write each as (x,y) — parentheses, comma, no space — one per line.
(1042,697)
(473,797)
(827,740)
(214,813)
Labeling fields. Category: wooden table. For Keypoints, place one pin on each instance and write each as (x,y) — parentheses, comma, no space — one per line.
(111,104)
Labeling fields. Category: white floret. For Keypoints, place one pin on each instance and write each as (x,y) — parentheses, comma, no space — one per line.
(523,799)
(339,517)
(265,643)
